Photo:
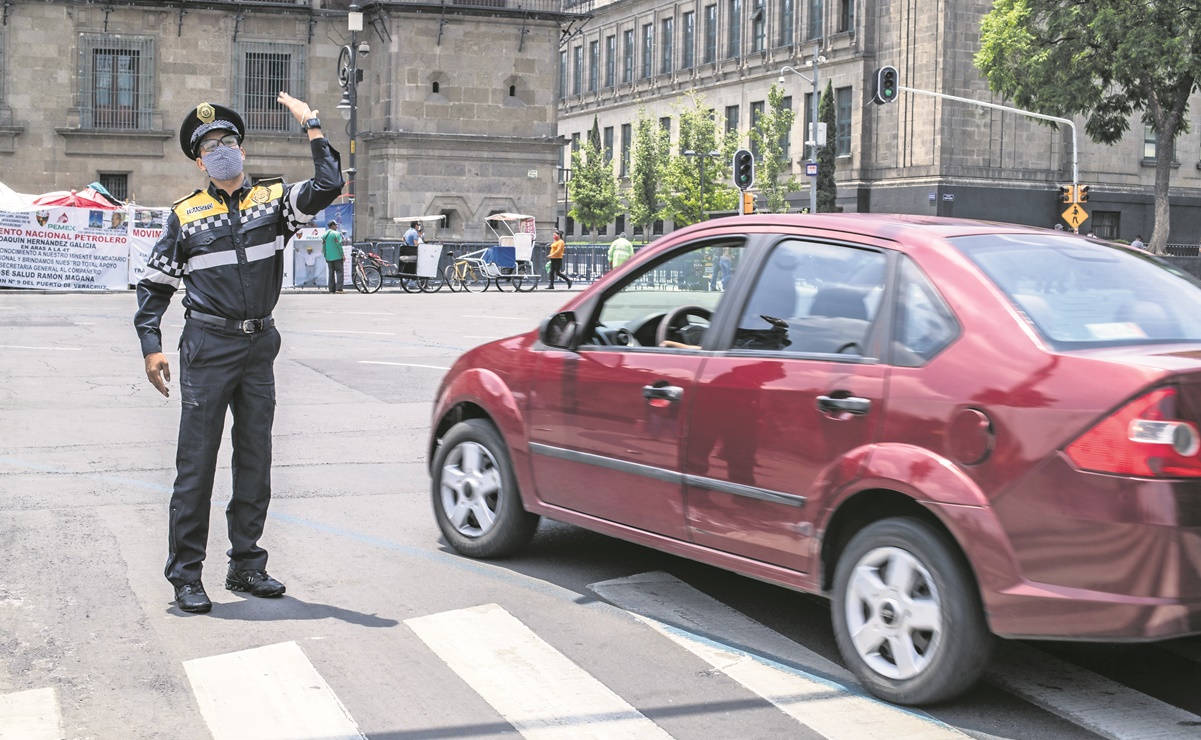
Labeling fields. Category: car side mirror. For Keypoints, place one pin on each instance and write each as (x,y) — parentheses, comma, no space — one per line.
(559,331)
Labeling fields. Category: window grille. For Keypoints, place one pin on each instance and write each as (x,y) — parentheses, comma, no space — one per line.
(1106,224)
(261,70)
(116,81)
(842,118)
(117,184)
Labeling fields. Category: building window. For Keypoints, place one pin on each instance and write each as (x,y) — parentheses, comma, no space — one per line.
(261,70)
(1107,224)
(758,26)
(786,21)
(815,19)
(116,183)
(577,72)
(846,16)
(624,166)
(603,230)
(669,34)
(731,119)
(607,140)
(842,118)
(1149,142)
(665,127)
(688,53)
(710,34)
(575,142)
(657,228)
(619,226)
(562,74)
(756,114)
(786,139)
(610,60)
(593,65)
(116,81)
(627,69)
(734,45)
(648,49)
(570,229)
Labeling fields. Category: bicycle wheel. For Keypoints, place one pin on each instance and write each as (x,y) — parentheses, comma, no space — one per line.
(431,285)
(527,282)
(375,278)
(409,284)
(450,278)
(470,281)
(505,280)
(359,278)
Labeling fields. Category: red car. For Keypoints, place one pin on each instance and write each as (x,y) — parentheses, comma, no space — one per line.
(952,429)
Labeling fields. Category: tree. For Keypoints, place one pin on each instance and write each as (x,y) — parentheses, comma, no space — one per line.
(594,191)
(827,189)
(1104,60)
(768,137)
(643,199)
(699,133)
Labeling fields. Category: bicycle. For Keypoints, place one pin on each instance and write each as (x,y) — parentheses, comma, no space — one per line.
(466,272)
(367,273)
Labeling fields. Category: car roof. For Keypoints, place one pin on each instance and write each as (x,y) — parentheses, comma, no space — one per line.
(883,225)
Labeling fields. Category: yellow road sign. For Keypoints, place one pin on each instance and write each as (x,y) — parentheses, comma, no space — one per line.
(1075,216)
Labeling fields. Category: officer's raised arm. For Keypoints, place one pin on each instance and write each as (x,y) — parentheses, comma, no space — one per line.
(305,200)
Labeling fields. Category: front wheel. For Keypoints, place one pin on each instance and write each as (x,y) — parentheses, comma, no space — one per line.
(451,277)
(476,501)
(374,278)
(907,613)
(359,279)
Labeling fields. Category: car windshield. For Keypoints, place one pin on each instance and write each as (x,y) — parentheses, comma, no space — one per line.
(1081,294)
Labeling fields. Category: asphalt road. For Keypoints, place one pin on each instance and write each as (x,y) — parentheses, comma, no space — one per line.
(386,633)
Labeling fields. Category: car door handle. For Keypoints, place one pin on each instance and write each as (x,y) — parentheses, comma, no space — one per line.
(666,392)
(849,405)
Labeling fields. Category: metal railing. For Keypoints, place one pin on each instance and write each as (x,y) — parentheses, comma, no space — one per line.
(556,7)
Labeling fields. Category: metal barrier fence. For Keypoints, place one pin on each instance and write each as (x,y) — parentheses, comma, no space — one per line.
(1191,265)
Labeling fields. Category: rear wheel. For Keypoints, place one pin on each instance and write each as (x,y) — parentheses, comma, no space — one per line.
(431,285)
(375,278)
(409,284)
(452,279)
(359,279)
(907,613)
(470,282)
(475,496)
(527,282)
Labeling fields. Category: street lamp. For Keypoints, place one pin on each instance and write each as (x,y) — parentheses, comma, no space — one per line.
(811,134)
(711,155)
(565,177)
(349,77)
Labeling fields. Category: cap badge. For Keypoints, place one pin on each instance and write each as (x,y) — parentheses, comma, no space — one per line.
(205,113)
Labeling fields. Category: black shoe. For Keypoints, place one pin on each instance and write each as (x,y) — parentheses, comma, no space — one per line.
(550,287)
(569,285)
(191,597)
(257,582)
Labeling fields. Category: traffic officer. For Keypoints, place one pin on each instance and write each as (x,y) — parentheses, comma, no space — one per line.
(226,244)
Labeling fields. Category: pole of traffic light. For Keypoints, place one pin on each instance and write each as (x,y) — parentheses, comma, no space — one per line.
(813,136)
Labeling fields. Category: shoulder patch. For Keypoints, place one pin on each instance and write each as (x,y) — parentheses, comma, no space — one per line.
(181,200)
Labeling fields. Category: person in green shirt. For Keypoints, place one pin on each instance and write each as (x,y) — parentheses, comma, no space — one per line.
(334,256)
(620,250)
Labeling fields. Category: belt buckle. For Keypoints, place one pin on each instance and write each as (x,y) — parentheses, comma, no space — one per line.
(250,326)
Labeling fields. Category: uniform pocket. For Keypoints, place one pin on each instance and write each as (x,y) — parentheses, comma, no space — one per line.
(190,344)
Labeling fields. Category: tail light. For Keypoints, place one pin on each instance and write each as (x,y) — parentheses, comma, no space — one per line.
(1144,438)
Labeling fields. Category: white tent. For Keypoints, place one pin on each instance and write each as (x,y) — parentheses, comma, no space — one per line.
(14,201)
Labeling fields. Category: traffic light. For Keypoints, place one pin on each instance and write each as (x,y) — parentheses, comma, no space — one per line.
(1065,194)
(1082,194)
(885,88)
(748,203)
(744,169)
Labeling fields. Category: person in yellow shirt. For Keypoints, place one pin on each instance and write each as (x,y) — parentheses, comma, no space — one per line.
(556,261)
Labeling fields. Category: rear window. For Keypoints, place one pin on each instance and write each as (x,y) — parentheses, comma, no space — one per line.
(1081,294)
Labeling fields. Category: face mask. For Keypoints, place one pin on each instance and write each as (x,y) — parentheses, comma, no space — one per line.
(223,163)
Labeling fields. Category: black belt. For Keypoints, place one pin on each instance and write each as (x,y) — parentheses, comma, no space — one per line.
(249,326)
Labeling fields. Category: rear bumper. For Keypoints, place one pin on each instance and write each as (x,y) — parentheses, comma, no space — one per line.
(1032,610)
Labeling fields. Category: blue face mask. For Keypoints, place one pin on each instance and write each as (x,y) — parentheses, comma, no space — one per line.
(223,163)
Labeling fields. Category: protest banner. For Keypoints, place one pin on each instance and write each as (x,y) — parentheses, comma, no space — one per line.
(58,248)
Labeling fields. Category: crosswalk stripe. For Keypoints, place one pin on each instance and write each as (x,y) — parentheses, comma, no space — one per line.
(268,693)
(30,715)
(1094,702)
(683,614)
(537,689)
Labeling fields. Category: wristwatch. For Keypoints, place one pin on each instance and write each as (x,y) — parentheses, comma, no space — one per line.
(313,122)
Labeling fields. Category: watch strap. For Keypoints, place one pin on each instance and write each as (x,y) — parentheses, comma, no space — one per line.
(313,122)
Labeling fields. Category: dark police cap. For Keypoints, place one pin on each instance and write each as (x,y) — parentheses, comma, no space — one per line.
(204,118)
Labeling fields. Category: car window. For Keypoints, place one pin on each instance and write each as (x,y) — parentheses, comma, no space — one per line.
(924,325)
(695,278)
(1079,293)
(813,298)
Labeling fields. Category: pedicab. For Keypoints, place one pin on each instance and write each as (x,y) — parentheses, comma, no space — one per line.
(513,231)
(417,266)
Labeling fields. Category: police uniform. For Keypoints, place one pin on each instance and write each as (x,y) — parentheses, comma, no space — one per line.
(228,250)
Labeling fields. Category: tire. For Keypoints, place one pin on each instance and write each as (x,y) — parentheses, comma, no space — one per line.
(451,279)
(357,278)
(474,493)
(470,283)
(526,283)
(501,282)
(944,660)
(409,284)
(431,285)
(375,278)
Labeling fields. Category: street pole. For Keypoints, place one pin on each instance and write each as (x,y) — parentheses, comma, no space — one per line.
(813,136)
(701,200)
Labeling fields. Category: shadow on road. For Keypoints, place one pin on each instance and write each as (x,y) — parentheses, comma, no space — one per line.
(252,609)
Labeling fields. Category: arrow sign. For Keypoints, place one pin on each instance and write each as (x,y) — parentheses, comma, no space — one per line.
(1075,216)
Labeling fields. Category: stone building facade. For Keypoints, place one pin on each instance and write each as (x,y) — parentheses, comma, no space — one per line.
(920,154)
(456,108)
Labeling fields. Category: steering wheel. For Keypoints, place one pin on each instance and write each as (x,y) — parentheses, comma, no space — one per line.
(673,317)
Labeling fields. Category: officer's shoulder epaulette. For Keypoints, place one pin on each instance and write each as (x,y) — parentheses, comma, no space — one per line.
(269,181)
(189,195)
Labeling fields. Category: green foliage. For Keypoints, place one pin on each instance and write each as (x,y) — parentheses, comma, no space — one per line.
(827,189)
(648,164)
(768,137)
(699,133)
(1104,60)
(593,189)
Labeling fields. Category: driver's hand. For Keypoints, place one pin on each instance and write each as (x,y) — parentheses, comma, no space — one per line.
(678,345)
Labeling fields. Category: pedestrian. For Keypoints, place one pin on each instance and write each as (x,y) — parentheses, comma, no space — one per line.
(310,266)
(557,247)
(412,237)
(225,243)
(1138,242)
(722,269)
(620,250)
(331,245)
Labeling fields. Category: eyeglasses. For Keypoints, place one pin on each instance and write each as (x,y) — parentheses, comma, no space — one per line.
(208,146)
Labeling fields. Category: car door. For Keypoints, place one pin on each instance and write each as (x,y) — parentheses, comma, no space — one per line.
(607,420)
(787,413)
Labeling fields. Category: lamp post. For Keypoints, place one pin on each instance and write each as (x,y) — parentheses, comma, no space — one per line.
(349,77)
(711,155)
(811,134)
(565,176)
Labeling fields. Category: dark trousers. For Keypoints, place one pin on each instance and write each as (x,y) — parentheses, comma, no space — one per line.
(335,275)
(556,267)
(219,371)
